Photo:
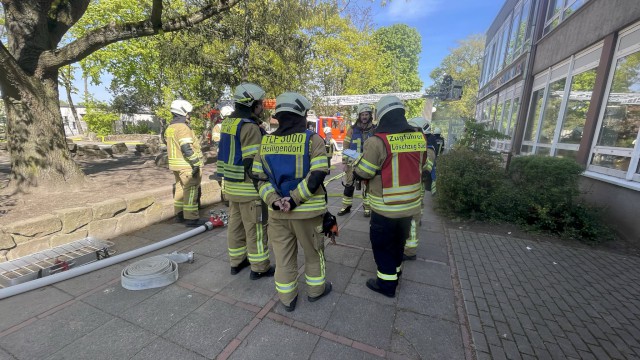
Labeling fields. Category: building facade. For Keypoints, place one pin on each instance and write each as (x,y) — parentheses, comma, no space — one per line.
(573,91)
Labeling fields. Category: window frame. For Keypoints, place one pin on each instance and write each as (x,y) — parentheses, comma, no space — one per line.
(632,153)
(561,16)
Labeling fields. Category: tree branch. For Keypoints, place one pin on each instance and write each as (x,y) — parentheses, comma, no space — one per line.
(10,72)
(64,16)
(112,33)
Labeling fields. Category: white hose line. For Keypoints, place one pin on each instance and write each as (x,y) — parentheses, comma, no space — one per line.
(149,273)
(81,270)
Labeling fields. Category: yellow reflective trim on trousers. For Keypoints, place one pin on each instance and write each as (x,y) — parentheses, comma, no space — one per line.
(387,277)
(179,162)
(412,242)
(304,190)
(286,288)
(314,281)
(185,141)
(399,268)
(258,257)
(237,251)
(347,201)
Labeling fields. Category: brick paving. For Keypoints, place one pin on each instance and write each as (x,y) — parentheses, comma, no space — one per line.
(468,296)
(529,299)
(209,314)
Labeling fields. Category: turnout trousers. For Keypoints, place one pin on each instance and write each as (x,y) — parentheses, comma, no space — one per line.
(411,246)
(285,234)
(247,235)
(387,242)
(185,196)
(349,189)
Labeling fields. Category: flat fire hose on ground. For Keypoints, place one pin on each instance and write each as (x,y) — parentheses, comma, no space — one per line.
(153,272)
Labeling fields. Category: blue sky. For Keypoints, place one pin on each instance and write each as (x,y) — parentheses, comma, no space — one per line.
(440,23)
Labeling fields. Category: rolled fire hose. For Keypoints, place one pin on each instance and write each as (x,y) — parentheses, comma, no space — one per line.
(81,270)
(153,272)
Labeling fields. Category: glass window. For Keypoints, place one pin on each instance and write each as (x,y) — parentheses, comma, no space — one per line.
(534,116)
(576,112)
(551,111)
(611,161)
(513,38)
(514,116)
(543,150)
(621,120)
(526,149)
(505,44)
(496,121)
(559,10)
(569,154)
(524,30)
(554,8)
(505,117)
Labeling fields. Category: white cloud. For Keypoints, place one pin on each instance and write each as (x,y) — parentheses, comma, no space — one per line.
(405,10)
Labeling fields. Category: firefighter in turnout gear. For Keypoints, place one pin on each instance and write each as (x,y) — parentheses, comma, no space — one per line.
(292,165)
(354,139)
(411,246)
(393,161)
(240,138)
(330,145)
(185,159)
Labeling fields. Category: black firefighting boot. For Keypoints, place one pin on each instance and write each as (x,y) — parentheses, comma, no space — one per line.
(179,218)
(236,269)
(373,285)
(291,306)
(344,210)
(406,257)
(257,275)
(327,290)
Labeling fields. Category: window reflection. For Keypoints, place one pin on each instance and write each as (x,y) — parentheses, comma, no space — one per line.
(611,161)
(552,110)
(576,112)
(534,116)
(569,154)
(514,116)
(621,120)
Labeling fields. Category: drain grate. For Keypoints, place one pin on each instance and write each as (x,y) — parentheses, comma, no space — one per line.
(54,260)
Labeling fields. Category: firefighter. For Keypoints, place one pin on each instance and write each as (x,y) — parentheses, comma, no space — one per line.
(438,141)
(355,137)
(185,159)
(411,245)
(330,145)
(392,161)
(240,138)
(292,165)
(215,131)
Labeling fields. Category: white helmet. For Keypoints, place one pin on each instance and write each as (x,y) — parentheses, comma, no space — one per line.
(327,130)
(421,123)
(226,111)
(363,108)
(386,104)
(181,107)
(292,102)
(247,93)
(437,131)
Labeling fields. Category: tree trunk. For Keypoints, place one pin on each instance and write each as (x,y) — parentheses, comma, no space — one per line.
(36,141)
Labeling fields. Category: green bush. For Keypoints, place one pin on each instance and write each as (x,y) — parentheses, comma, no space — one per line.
(465,181)
(538,192)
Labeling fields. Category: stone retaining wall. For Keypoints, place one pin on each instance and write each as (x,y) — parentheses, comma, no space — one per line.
(103,220)
(131,137)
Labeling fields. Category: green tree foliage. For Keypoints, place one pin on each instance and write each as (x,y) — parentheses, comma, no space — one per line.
(100,119)
(477,137)
(464,63)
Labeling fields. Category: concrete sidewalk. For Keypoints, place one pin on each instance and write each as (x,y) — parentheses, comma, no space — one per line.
(469,295)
